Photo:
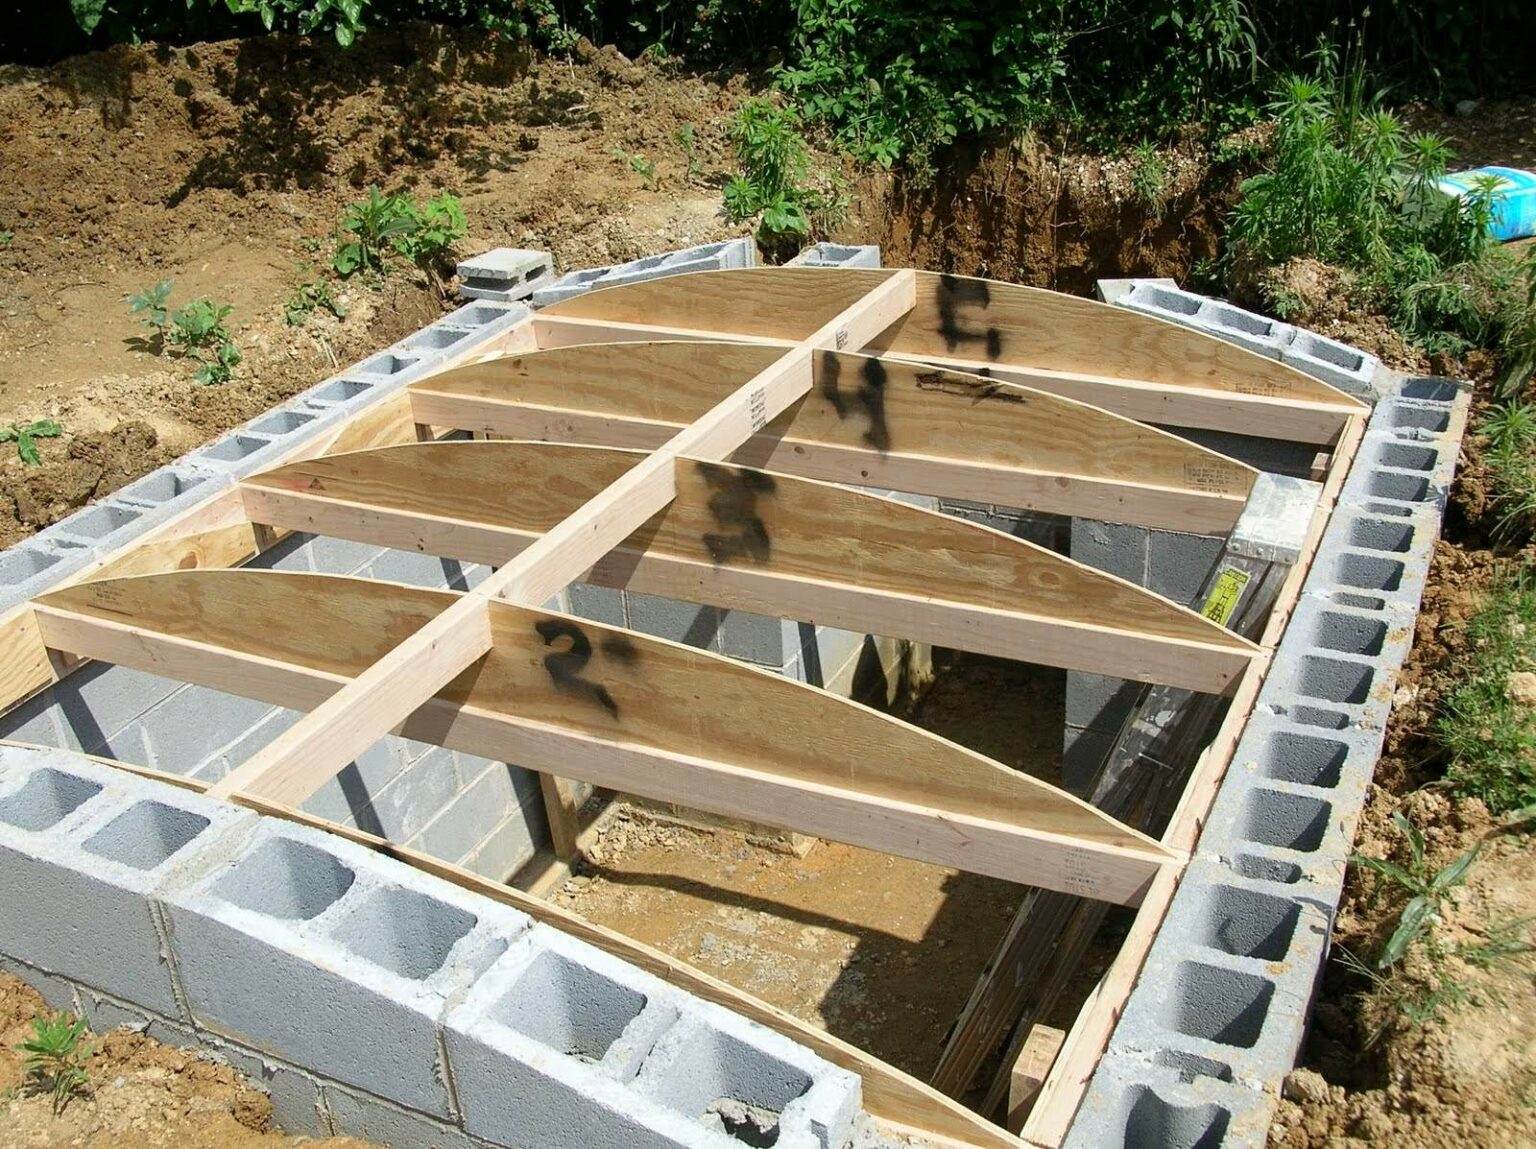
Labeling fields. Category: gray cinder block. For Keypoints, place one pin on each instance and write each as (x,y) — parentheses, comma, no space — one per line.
(303,941)
(1346,367)
(734,253)
(503,274)
(82,849)
(826,254)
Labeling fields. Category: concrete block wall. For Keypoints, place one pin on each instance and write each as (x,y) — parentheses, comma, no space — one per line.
(1219,1013)
(367,997)
(732,253)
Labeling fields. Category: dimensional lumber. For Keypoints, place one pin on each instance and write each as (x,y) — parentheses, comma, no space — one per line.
(893,1097)
(311,751)
(617,709)
(868,421)
(1134,364)
(749,539)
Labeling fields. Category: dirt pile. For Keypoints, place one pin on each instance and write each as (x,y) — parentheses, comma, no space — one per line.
(140,1094)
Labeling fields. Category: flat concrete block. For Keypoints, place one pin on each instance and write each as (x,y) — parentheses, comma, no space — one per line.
(1177,564)
(454,829)
(59,993)
(758,638)
(95,844)
(303,942)
(298,1099)
(826,254)
(195,722)
(1110,547)
(509,846)
(599,603)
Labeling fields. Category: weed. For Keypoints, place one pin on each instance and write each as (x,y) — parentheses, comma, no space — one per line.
(26,437)
(150,305)
(378,224)
(638,164)
(309,296)
(1427,889)
(55,1057)
(1149,177)
(776,184)
(6,238)
(1490,735)
(375,224)
(686,139)
(195,331)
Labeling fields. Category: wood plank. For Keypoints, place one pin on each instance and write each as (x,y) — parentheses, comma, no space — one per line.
(1030,1070)
(868,421)
(621,710)
(977,324)
(747,539)
(894,1098)
(325,740)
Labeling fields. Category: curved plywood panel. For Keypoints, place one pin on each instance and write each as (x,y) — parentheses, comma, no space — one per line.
(617,709)
(746,538)
(875,422)
(1133,363)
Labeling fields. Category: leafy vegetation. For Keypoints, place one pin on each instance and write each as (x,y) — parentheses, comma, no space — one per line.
(307,298)
(25,436)
(1149,177)
(196,331)
(1347,185)
(379,224)
(776,184)
(1427,889)
(55,1057)
(1487,723)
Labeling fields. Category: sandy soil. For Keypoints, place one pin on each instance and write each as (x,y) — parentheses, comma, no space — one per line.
(140,1095)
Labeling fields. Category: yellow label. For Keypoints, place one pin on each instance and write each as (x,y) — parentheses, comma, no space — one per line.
(1222,601)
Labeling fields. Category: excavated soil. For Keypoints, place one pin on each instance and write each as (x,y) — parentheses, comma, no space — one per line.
(139,1095)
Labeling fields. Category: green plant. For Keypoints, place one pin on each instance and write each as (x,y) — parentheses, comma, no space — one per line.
(195,331)
(55,1057)
(26,436)
(775,185)
(6,238)
(150,305)
(639,164)
(375,224)
(379,223)
(309,296)
(1488,731)
(687,139)
(1149,177)
(1426,889)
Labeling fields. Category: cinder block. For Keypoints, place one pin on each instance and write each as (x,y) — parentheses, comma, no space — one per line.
(298,1099)
(417,569)
(195,722)
(509,846)
(1111,547)
(405,805)
(95,844)
(349,796)
(1345,367)
(1177,564)
(599,603)
(98,701)
(679,621)
(758,638)
(453,829)
(1114,290)
(503,274)
(826,254)
(740,252)
(357,1114)
(302,942)
(59,993)
(740,1077)
(1256,333)
(543,1045)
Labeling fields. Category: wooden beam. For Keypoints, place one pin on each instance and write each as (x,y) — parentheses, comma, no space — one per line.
(873,422)
(621,710)
(892,1097)
(304,756)
(747,539)
(1023,334)
(1030,1070)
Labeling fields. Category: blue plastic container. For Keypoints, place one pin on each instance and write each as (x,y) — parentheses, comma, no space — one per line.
(1514,204)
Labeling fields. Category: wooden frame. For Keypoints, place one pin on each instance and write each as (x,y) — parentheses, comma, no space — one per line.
(826,376)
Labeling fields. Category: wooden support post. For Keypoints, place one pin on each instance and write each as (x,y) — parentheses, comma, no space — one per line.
(1030,1070)
(325,740)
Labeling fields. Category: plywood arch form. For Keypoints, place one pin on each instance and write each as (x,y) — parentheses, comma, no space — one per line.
(866,420)
(617,709)
(749,539)
(1133,363)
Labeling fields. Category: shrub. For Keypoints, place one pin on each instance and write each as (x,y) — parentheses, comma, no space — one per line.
(775,183)
(378,224)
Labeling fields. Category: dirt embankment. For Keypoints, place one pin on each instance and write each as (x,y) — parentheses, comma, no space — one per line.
(224,167)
